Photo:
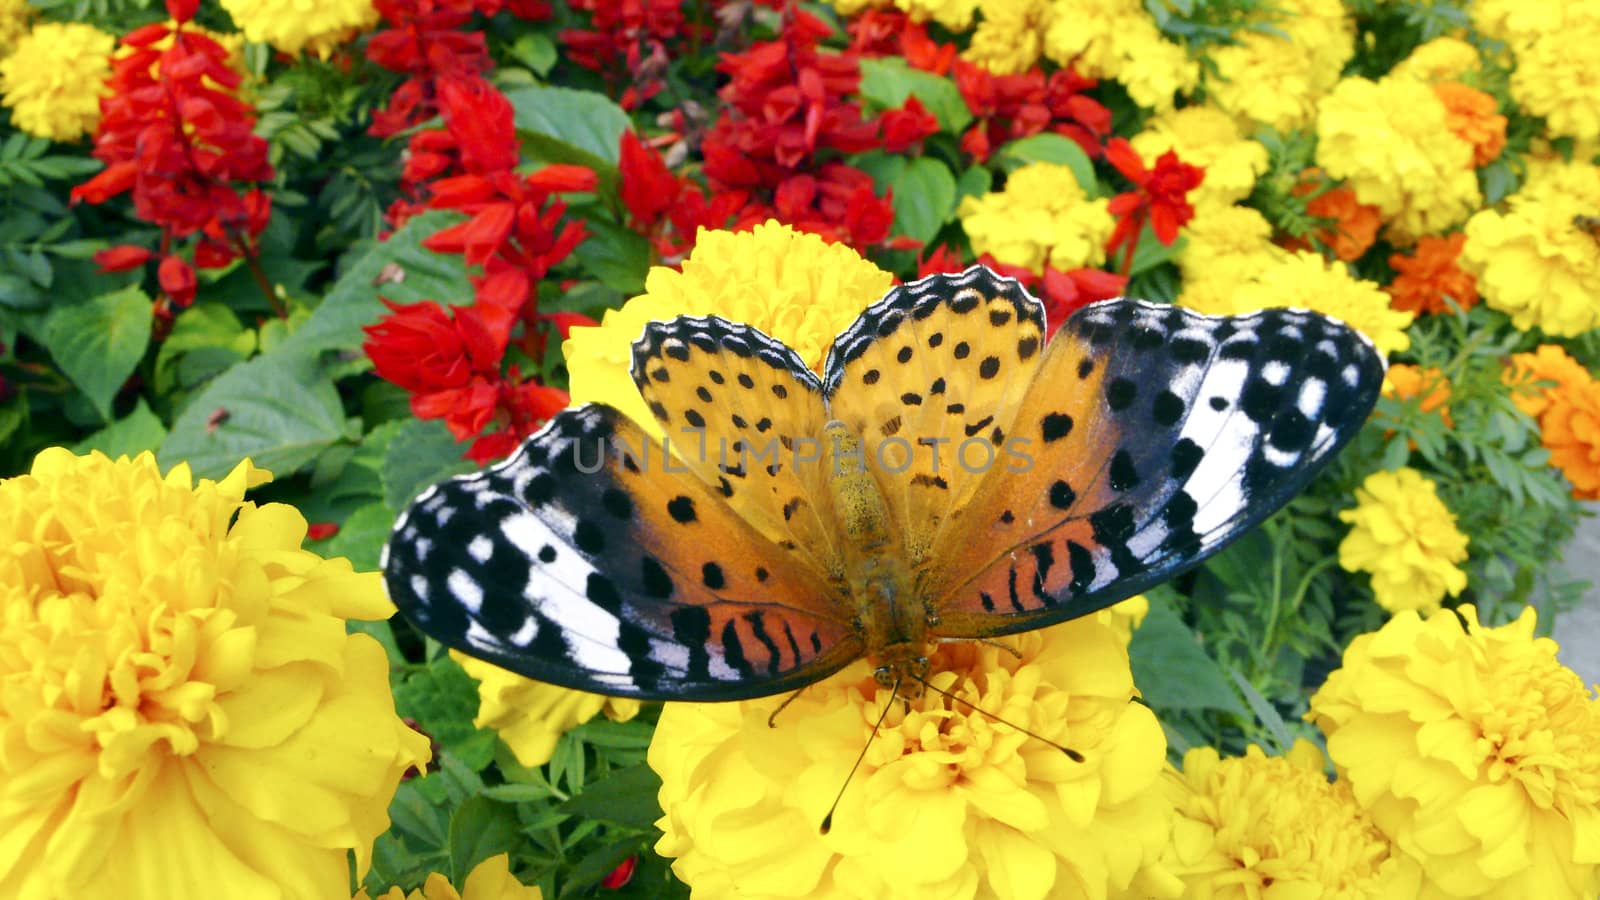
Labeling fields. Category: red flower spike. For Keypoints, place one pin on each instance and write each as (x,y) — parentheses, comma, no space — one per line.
(182,10)
(1160,197)
(908,126)
(479,118)
(121,258)
(177,280)
(648,188)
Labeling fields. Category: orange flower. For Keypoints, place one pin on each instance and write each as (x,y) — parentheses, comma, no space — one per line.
(1430,275)
(1568,413)
(1471,116)
(1355,224)
(1405,381)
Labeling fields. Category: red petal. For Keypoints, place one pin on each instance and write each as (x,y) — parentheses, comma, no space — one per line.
(122,257)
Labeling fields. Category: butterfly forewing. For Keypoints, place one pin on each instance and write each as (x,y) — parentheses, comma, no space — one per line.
(930,377)
(1155,435)
(589,560)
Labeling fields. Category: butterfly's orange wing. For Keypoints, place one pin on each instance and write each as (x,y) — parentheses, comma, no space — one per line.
(1155,435)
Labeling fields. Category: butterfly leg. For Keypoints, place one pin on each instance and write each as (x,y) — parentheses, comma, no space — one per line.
(772,720)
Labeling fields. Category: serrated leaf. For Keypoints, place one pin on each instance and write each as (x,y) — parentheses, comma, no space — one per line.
(99,342)
(887,82)
(617,256)
(584,121)
(279,410)
(399,269)
(1173,671)
(130,435)
(444,700)
(1052,148)
(479,829)
(421,454)
(924,197)
(626,796)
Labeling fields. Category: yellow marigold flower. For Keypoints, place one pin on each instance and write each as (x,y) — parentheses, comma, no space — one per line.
(181,695)
(1474,750)
(1010,37)
(1278,79)
(955,15)
(1205,136)
(1042,216)
(1227,247)
(295,25)
(1391,141)
(1307,281)
(947,801)
(1554,77)
(1441,59)
(488,880)
(1268,826)
(1427,385)
(530,716)
(1532,261)
(1117,39)
(852,7)
(1471,116)
(1404,535)
(14,16)
(1568,411)
(1125,618)
(794,286)
(54,79)
(1516,21)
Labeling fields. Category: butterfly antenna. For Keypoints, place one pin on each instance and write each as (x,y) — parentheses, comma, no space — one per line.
(827,820)
(1072,754)
(772,720)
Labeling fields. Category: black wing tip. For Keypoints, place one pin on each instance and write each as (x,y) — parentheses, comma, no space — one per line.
(742,338)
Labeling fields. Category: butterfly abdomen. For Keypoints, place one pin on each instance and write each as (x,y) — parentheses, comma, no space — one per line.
(893,621)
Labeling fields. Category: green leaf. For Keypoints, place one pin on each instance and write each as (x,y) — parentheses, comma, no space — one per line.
(130,435)
(421,454)
(1173,671)
(279,410)
(887,82)
(399,269)
(618,256)
(97,343)
(443,699)
(206,339)
(1265,712)
(575,126)
(360,537)
(626,796)
(479,829)
(974,182)
(1052,148)
(924,198)
(534,50)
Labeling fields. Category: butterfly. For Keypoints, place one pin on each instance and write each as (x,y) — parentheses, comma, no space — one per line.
(952,474)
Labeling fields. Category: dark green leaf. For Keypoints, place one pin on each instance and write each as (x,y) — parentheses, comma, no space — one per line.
(399,269)
(974,182)
(888,81)
(279,410)
(626,796)
(479,829)
(1265,712)
(360,537)
(422,453)
(1052,148)
(584,121)
(924,198)
(444,700)
(618,256)
(1172,670)
(130,435)
(98,343)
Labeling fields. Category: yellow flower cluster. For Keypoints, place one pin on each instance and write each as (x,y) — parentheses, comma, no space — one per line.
(1533,260)
(1117,39)
(1010,37)
(14,16)
(1552,43)
(181,694)
(295,25)
(1268,826)
(792,285)
(1390,141)
(488,880)
(530,716)
(1404,535)
(1474,751)
(947,802)
(1226,248)
(54,79)
(1277,78)
(1042,216)
(1568,411)
(1305,280)
(1206,137)
(1441,59)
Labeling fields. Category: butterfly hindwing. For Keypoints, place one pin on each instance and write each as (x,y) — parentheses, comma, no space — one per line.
(1155,435)
(930,378)
(743,412)
(590,560)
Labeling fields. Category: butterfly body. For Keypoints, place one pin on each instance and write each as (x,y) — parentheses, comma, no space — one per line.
(951,474)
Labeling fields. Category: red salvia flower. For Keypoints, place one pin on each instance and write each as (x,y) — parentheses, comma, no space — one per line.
(1008,107)
(908,126)
(1160,196)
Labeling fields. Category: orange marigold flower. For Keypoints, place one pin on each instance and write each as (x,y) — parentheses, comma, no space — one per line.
(1354,224)
(1432,274)
(1471,116)
(1547,363)
(1405,381)
(1568,413)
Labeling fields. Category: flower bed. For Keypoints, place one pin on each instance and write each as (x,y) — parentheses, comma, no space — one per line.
(365,246)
